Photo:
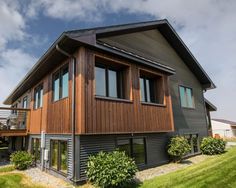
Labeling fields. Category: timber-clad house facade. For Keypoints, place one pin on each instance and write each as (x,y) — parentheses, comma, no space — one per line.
(129,86)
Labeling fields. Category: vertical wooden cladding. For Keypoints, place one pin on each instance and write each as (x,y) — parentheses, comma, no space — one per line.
(53,117)
(105,115)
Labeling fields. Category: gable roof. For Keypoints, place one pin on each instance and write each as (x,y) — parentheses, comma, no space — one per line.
(209,105)
(71,40)
(225,121)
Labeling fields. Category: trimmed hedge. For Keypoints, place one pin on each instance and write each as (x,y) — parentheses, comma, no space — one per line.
(21,160)
(178,148)
(114,169)
(212,146)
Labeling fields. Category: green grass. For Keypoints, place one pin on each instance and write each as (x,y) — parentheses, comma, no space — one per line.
(7,168)
(217,171)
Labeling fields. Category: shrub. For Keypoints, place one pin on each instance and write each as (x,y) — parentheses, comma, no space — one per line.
(212,146)
(21,160)
(114,169)
(178,147)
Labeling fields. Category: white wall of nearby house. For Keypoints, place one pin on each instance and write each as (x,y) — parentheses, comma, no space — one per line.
(223,129)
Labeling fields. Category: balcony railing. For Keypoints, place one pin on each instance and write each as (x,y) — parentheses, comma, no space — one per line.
(13,120)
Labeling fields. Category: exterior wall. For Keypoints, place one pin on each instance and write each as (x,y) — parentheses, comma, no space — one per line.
(224,130)
(48,138)
(105,115)
(155,148)
(153,45)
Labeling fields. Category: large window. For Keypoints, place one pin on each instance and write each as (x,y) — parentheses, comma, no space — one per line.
(60,84)
(151,88)
(38,97)
(135,148)
(59,155)
(109,81)
(186,97)
(35,149)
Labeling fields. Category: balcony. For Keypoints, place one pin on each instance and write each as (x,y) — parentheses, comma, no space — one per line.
(14,121)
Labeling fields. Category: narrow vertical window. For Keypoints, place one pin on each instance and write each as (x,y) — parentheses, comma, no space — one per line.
(142,89)
(100,77)
(61,84)
(25,102)
(65,83)
(38,97)
(63,156)
(54,154)
(56,87)
(112,75)
(186,97)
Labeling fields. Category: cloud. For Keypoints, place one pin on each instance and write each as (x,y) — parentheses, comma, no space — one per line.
(15,64)
(12,24)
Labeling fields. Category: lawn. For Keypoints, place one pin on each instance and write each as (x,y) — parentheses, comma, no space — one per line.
(218,171)
(9,179)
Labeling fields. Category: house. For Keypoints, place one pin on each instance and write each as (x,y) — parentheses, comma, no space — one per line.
(223,128)
(129,86)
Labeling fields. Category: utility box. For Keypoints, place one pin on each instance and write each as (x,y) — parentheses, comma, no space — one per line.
(46,155)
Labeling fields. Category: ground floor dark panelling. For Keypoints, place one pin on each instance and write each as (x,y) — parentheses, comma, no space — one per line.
(156,146)
(47,163)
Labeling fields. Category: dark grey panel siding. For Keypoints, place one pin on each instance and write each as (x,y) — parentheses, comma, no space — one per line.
(155,146)
(153,45)
(47,146)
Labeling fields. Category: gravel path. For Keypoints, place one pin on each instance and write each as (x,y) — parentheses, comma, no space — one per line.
(171,167)
(45,179)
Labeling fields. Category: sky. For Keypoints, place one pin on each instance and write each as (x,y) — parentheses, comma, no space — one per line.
(208,28)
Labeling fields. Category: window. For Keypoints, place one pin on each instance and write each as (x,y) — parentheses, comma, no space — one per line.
(60,84)
(38,97)
(193,140)
(186,97)
(59,155)
(109,81)
(14,106)
(135,148)
(35,149)
(151,88)
(25,102)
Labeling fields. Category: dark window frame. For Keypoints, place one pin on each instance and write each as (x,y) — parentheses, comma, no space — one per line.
(36,150)
(119,81)
(25,100)
(132,147)
(38,90)
(59,74)
(190,137)
(157,97)
(187,102)
(58,169)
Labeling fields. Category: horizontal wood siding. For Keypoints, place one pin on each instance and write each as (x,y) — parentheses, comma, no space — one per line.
(114,116)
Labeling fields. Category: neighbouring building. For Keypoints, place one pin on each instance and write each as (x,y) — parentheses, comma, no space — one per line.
(223,128)
(128,86)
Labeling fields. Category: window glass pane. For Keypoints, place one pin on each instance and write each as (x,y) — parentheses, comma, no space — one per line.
(139,151)
(195,143)
(25,102)
(142,92)
(41,98)
(54,154)
(36,99)
(100,81)
(189,97)
(148,90)
(63,156)
(56,88)
(124,145)
(65,79)
(183,99)
(112,76)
